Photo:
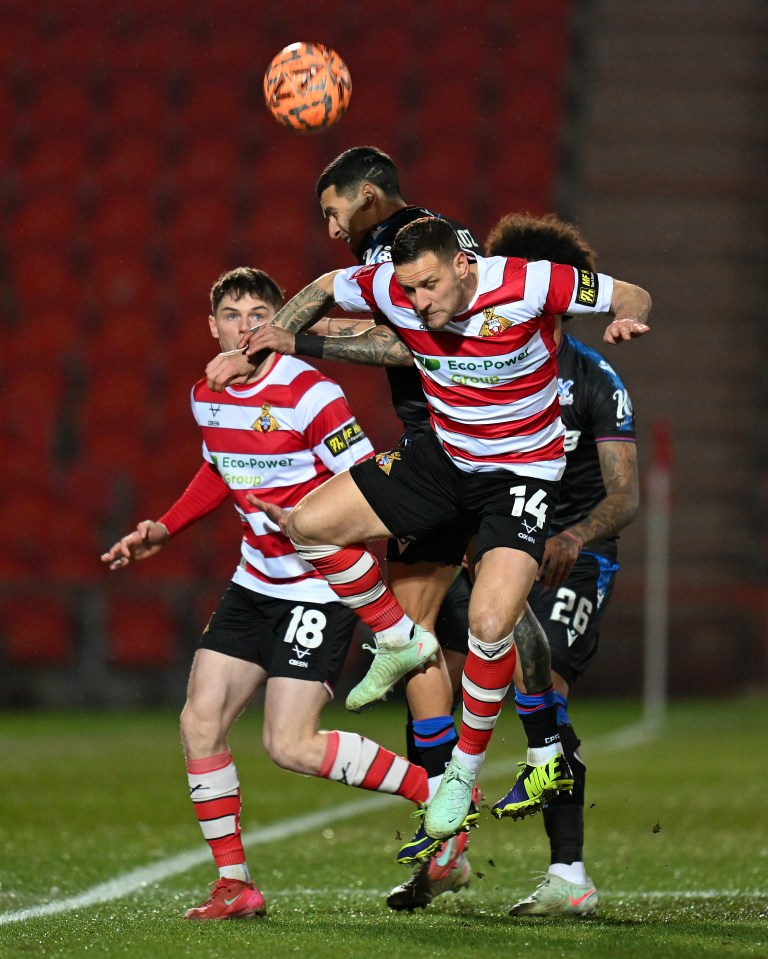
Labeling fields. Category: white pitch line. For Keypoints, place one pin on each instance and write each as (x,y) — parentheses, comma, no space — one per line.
(144,876)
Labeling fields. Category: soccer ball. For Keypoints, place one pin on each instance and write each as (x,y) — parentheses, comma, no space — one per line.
(307,87)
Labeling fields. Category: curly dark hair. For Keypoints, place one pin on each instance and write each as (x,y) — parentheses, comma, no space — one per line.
(540,238)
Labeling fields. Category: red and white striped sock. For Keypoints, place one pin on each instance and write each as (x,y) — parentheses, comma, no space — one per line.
(488,673)
(214,789)
(356,761)
(354,575)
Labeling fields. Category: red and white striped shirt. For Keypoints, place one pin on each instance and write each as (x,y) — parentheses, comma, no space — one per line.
(490,376)
(279,437)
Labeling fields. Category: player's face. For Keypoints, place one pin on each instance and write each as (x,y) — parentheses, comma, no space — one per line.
(235,317)
(436,288)
(348,218)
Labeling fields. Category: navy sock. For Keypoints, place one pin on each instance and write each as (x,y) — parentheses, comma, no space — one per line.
(538,712)
(433,742)
(564,815)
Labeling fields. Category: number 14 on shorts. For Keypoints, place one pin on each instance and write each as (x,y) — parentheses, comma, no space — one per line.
(534,505)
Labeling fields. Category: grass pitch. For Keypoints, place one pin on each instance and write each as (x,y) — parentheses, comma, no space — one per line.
(101,853)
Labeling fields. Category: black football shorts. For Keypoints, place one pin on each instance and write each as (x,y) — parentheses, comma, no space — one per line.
(285,637)
(417,489)
(572,612)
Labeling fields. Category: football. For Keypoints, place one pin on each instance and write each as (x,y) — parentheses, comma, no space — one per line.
(307,87)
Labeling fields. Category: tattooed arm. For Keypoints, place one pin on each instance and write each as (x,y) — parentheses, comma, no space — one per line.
(618,465)
(340,326)
(301,311)
(335,338)
(355,341)
(378,346)
(375,346)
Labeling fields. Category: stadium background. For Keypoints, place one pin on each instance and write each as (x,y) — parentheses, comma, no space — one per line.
(138,162)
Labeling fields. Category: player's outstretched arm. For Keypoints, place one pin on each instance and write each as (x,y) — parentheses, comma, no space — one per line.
(631,307)
(357,341)
(307,307)
(148,538)
(376,346)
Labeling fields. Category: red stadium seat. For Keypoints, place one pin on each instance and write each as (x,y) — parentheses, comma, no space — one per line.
(280,235)
(60,53)
(131,163)
(7,107)
(72,546)
(26,519)
(229,48)
(63,330)
(29,416)
(36,630)
(217,101)
(18,34)
(536,114)
(45,218)
(142,632)
(148,52)
(201,221)
(44,275)
(56,162)
(528,173)
(118,452)
(139,105)
(120,220)
(122,279)
(280,174)
(446,174)
(88,488)
(115,399)
(209,165)
(63,106)
(111,427)
(124,339)
(192,273)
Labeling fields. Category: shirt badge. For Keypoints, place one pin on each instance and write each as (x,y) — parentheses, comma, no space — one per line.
(493,324)
(265,422)
(385,460)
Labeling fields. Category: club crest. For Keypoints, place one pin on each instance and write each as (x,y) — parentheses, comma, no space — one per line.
(265,421)
(385,460)
(493,324)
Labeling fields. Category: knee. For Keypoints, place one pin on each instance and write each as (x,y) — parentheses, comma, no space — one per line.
(298,527)
(489,628)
